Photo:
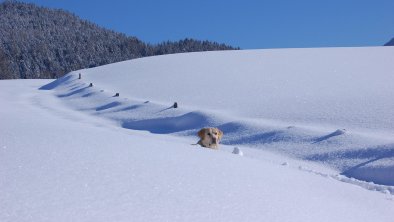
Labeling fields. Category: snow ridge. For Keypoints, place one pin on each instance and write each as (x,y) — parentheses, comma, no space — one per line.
(352,154)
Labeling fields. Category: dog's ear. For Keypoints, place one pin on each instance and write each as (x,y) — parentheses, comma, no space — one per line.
(220,133)
(201,133)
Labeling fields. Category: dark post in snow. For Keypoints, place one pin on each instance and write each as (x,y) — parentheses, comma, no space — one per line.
(175,105)
(116,95)
(79,76)
(91,85)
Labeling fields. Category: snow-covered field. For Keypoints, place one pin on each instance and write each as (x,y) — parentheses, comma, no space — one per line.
(332,106)
(306,120)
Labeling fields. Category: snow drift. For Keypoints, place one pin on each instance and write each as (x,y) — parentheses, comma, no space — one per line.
(58,164)
(298,124)
(332,106)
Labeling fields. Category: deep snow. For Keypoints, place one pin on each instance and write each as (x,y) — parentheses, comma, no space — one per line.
(57,164)
(332,106)
(304,120)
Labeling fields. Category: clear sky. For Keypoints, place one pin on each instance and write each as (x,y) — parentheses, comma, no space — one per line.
(245,23)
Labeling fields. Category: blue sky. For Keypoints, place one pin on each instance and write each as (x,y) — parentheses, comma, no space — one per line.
(245,23)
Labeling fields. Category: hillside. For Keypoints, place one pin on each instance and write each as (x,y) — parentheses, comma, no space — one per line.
(390,43)
(331,106)
(37,42)
(314,125)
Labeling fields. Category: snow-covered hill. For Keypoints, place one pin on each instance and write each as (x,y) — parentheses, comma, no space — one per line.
(306,120)
(332,106)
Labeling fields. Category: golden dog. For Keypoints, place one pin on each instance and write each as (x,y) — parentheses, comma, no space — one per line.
(210,137)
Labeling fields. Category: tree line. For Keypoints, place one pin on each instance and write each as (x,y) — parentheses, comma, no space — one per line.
(38,42)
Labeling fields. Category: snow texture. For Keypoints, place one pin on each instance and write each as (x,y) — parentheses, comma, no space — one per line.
(332,106)
(302,118)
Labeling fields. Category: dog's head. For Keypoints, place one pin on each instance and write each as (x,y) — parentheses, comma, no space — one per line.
(210,137)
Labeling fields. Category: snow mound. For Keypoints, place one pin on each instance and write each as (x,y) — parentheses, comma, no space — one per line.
(238,151)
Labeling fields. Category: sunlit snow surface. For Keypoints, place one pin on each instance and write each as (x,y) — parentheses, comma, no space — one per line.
(305,120)
(333,106)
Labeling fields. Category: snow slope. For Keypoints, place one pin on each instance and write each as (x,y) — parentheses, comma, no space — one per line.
(331,106)
(341,87)
(59,164)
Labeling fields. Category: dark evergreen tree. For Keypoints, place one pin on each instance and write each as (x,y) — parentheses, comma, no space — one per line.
(5,72)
